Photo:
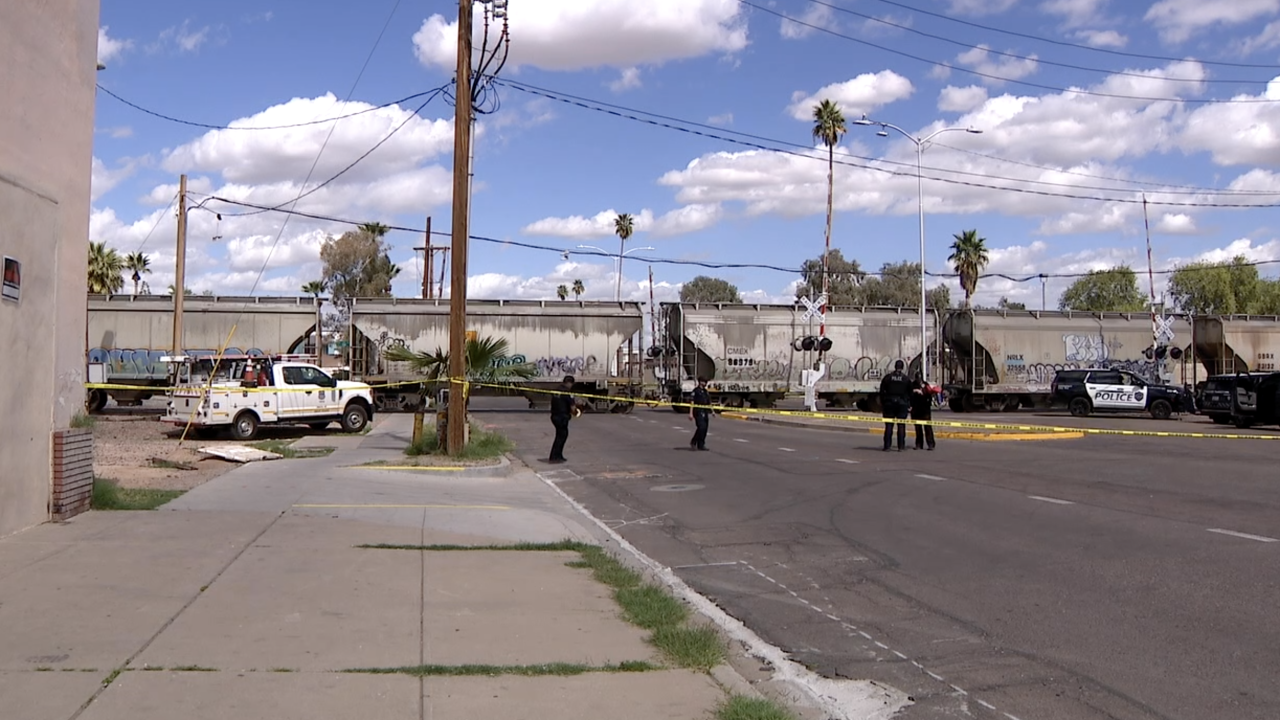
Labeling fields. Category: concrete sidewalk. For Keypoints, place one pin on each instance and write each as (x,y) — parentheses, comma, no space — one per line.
(249,597)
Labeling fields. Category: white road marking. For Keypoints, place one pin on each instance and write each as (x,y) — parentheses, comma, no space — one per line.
(1246,536)
(786,450)
(677,427)
(847,462)
(934,675)
(1055,501)
(1011,717)
(986,705)
(959,689)
(895,652)
(881,645)
(740,440)
(702,565)
(930,477)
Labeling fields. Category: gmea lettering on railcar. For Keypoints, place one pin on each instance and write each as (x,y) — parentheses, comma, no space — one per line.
(237,394)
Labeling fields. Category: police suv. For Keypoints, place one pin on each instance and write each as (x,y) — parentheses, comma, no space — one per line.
(1115,391)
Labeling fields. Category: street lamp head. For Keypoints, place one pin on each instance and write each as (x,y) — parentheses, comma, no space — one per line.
(882,133)
(863,121)
(975,131)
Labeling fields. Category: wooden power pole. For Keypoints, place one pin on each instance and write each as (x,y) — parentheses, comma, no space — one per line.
(457,413)
(429,252)
(180,264)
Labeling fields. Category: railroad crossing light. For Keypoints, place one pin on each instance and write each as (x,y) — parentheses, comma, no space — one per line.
(654,352)
(824,344)
(1175,353)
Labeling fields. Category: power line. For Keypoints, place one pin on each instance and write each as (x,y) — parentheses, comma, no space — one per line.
(1064,43)
(991,76)
(565,252)
(907,28)
(346,169)
(666,122)
(209,126)
(316,162)
(156,224)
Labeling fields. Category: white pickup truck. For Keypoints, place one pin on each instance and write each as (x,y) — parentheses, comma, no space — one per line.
(239,393)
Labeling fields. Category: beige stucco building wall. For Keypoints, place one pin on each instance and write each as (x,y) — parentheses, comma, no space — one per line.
(48,67)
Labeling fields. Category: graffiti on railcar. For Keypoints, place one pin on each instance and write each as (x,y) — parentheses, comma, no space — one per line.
(568,365)
(146,361)
(748,368)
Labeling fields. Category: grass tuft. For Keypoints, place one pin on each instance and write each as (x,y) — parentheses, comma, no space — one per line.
(285,449)
(543,670)
(83,420)
(741,707)
(482,445)
(107,495)
(643,604)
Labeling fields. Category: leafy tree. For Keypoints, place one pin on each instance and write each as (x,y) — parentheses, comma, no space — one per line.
(1268,298)
(624,228)
(358,264)
(844,277)
(138,264)
(315,288)
(106,269)
(376,229)
(578,289)
(969,256)
(897,286)
(562,292)
(1225,288)
(1007,304)
(828,126)
(709,290)
(187,292)
(488,361)
(1111,290)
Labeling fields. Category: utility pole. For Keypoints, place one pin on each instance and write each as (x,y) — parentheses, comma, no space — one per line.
(457,412)
(180,263)
(429,256)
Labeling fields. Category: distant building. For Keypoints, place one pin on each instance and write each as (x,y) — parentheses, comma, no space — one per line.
(48,68)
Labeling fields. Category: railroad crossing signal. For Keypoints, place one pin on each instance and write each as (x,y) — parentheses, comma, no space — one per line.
(1164,329)
(814,308)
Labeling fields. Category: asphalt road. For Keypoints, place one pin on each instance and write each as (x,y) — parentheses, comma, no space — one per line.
(1090,578)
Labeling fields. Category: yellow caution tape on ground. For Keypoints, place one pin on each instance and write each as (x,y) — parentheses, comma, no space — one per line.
(879,420)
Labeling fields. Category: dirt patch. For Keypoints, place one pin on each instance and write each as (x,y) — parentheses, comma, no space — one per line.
(125,449)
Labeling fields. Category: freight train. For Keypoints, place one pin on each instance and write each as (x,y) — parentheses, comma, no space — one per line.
(992,360)
(753,355)
(129,335)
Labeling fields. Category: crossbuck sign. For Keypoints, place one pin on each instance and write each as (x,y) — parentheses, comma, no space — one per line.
(1163,329)
(813,308)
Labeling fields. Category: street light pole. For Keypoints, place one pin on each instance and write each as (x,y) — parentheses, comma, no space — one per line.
(919,143)
(617,293)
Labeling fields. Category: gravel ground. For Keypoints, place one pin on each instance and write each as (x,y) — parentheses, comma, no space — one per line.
(123,448)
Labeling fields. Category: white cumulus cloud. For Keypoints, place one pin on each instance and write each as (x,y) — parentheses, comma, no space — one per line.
(1178,20)
(860,95)
(961,99)
(558,35)
(690,218)
(110,48)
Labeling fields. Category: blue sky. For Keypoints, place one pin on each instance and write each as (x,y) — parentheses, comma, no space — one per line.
(554,174)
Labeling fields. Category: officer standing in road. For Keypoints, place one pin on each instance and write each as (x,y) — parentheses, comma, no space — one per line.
(700,414)
(922,409)
(561,413)
(895,398)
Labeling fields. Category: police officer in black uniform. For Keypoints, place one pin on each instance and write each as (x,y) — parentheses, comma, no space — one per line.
(561,413)
(895,398)
(922,409)
(700,414)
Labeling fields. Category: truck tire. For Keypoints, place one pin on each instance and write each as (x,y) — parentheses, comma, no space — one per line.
(354,418)
(245,426)
(1081,407)
(1161,410)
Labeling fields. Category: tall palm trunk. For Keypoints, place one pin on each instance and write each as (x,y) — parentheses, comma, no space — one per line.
(831,183)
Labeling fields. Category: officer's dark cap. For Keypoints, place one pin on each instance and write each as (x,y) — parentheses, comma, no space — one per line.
(897,365)
(567,379)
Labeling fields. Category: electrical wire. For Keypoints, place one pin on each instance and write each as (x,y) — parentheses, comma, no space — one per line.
(723,135)
(1064,43)
(1127,73)
(308,123)
(566,252)
(156,224)
(346,169)
(991,76)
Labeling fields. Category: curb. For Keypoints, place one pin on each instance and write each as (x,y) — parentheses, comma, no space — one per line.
(503,469)
(996,436)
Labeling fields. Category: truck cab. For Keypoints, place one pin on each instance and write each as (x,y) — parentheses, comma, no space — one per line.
(240,393)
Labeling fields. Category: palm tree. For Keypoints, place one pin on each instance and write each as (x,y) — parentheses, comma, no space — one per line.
(969,257)
(488,362)
(375,229)
(139,264)
(578,289)
(106,268)
(828,126)
(624,226)
(314,289)
(188,292)
(562,292)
